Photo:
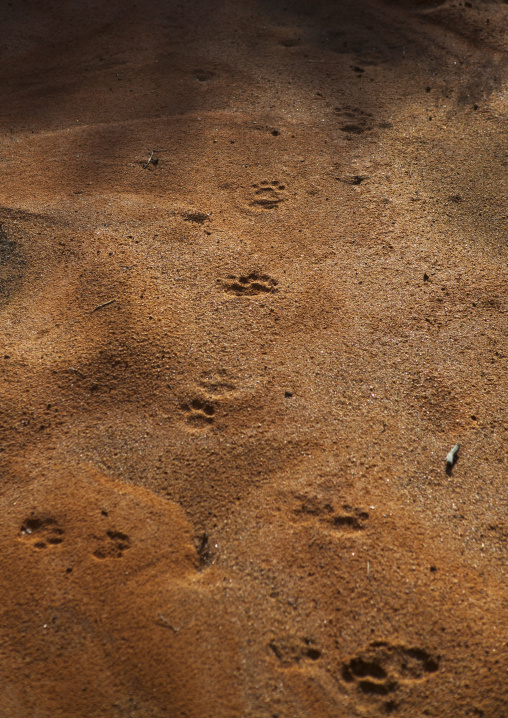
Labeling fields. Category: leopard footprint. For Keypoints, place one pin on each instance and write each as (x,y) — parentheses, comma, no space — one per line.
(292,651)
(346,519)
(42,532)
(198,413)
(382,667)
(268,195)
(249,284)
(111,545)
(355,121)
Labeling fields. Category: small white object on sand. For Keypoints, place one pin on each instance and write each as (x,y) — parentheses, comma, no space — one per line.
(450,457)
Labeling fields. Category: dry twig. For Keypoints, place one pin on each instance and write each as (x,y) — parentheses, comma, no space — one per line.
(149,160)
(100,306)
(165,622)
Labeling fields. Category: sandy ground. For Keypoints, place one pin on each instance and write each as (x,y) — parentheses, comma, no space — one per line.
(253,288)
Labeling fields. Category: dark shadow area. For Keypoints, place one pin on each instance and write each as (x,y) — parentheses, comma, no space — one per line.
(94,90)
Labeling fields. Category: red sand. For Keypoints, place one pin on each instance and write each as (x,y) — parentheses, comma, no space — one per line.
(224,491)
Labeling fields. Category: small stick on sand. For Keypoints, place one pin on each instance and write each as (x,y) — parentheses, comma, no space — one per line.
(149,160)
(368,570)
(166,622)
(100,306)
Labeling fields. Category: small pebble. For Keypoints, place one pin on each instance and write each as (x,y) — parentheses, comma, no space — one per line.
(450,457)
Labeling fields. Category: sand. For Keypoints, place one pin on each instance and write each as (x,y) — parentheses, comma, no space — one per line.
(253,289)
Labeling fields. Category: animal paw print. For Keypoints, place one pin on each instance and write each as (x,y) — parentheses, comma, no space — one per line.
(346,519)
(355,121)
(199,413)
(195,216)
(349,519)
(353,179)
(268,195)
(250,284)
(382,667)
(111,545)
(291,651)
(42,532)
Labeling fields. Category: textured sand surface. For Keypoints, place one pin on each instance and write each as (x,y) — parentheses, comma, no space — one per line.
(253,289)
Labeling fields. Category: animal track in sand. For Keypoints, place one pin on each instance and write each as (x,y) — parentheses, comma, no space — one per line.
(111,545)
(347,519)
(42,532)
(291,651)
(200,408)
(198,413)
(353,179)
(249,284)
(268,195)
(355,121)
(195,216)
(382,667)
